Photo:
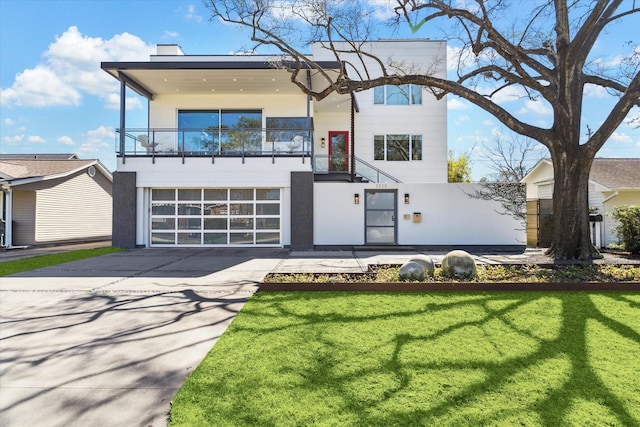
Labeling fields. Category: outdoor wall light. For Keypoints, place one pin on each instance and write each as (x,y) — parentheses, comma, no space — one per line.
(322,142)
(406,198)
(356,199)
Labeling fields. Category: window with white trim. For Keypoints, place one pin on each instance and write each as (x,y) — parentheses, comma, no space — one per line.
(215,216)
(397,147)
(398,95)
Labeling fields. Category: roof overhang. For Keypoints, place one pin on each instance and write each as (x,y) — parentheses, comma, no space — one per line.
(251,75)
(8,183)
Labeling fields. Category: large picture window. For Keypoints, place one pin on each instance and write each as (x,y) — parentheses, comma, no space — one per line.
(220,131)
(215,216)
(397,95)
(397,147)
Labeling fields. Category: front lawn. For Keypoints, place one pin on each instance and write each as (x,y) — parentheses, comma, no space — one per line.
(425,359)
(41,261)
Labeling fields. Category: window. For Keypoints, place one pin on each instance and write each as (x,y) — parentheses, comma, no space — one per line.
(220,131)
(293,130)
(397,95)
(397,147)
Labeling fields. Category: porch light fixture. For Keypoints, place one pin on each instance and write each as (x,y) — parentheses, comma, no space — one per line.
(322,142)
(406,198)
(356,199)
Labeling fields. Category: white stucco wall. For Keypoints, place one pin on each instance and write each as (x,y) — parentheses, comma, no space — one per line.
(449,216)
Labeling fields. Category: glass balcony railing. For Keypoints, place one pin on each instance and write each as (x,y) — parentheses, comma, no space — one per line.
(220,143)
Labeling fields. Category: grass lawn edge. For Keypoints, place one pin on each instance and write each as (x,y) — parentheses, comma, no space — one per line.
(450,286)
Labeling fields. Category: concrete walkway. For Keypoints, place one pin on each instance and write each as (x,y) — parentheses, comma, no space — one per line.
(108,341)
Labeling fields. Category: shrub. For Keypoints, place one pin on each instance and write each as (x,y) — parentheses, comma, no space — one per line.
(628,228)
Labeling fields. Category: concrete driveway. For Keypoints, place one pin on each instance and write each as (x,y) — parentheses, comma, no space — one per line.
(108,341)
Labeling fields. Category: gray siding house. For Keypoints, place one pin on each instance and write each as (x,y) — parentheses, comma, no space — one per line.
(51,199)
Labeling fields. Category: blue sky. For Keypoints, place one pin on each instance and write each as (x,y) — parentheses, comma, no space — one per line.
(55,98)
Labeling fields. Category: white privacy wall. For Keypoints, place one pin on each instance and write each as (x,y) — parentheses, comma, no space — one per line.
(449,216)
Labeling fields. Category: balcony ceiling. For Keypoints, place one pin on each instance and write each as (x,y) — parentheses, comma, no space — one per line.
(151,80)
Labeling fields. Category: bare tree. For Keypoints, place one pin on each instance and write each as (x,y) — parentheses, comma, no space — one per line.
(511,158)
(545,50)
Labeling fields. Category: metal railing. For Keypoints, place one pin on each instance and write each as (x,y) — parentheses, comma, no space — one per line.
(323,164)
(244,142)
(372,173)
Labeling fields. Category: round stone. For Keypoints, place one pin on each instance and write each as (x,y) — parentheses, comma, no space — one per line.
(459,264)
(412,271)
(426,262)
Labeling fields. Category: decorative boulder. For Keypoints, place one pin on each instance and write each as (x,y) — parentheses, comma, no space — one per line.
(412,271)
(458,264)
(426,262)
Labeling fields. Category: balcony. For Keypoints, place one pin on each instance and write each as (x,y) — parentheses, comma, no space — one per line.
(241,142)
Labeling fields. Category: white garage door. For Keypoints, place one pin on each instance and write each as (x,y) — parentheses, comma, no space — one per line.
(215,217)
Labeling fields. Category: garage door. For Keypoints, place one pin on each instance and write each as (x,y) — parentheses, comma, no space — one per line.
(215,217)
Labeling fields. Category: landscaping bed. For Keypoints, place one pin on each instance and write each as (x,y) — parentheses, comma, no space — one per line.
(489,278)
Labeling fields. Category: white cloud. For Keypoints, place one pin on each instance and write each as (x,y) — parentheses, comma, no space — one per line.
(12,140)
(621,137)
(8,122)
(595,91)
(191,15)
(456,104)
(101,132)
(536,107)
(488,122)
(72,69)
(461,119)
(508,94)
(171,34)
(65,140)
(36,139)
(98,142)
(39,87)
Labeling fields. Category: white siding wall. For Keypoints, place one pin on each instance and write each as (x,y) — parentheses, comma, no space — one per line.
(428,119)
(24,217)
(449,216)
(72,208)
(630,198)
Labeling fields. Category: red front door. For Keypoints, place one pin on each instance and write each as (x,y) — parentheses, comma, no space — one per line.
(338,151)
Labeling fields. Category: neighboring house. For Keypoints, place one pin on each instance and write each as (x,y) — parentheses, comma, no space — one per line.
(612,182)
(50,199)
(235,154)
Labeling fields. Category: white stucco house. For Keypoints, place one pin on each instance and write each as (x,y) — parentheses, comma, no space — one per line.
(235,154)
(612,182)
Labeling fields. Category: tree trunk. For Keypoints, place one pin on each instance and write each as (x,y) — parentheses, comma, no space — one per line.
(572,237)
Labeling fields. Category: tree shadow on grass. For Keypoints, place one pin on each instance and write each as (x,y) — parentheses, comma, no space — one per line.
(449,359)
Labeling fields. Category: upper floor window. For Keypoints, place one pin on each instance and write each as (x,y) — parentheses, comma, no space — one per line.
(220,130)
(397,95)
(397,147)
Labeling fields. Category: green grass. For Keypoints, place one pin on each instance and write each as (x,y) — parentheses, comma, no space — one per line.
(422,359)
(41,261)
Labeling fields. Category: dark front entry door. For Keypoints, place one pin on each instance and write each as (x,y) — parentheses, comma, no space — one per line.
(380,217)
(338,151)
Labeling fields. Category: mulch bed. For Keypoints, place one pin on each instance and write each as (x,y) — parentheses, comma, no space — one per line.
(450,286)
